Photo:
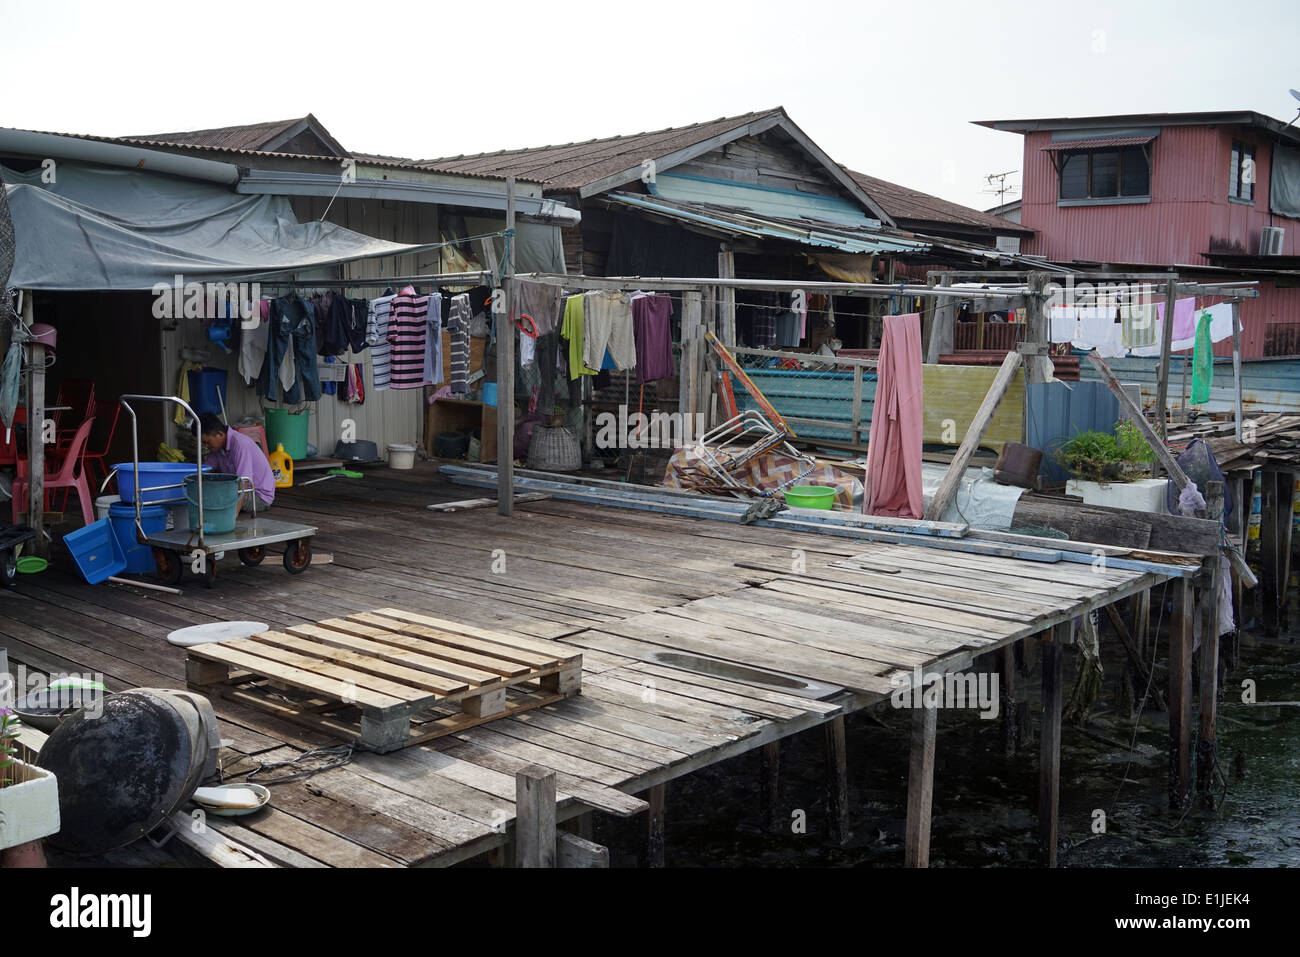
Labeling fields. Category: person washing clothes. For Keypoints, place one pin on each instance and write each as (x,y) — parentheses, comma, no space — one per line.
(236,454)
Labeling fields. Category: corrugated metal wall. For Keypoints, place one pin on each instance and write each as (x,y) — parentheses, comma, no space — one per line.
(1189,207)
(1267,386)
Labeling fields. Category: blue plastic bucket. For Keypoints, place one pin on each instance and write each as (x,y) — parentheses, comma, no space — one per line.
(154,474)
(489,393)
(203,390)
(96,551)
(153,519)
(220,502)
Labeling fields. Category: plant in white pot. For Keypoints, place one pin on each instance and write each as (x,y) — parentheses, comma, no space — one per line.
(29,796)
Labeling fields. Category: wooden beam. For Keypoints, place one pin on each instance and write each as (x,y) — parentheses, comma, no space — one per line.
(506,370)
(535,817)
(727,310)
(1180,696)
(35,435)
(1039,368)
(941,330)
(928,307)
(920,788)
(575,851)
(1206,744)
(1238,415)
(1271,519)
(1049,750)
(951,482)
(655,826)
(770,796)
(1007,694)
(1166,342)
(1131,412)
(837,782)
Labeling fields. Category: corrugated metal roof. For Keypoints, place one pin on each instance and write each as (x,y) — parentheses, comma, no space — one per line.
(903,203)
(737,222)
(1097,144)
(251,136)
(575,165)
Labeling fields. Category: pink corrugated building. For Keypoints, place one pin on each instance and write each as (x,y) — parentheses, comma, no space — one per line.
(1216,195)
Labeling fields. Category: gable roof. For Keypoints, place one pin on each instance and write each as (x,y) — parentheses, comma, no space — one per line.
(595,166)
(259,137)
(912,206)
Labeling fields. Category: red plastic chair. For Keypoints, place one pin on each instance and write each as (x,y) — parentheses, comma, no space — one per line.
(79,396)
(101,439)
(72,474)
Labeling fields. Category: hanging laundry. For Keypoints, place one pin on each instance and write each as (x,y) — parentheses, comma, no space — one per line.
(1184,319)
(359,312)
(1139,326)
(894,449)
(1202,360)
(573,329)
(540,301)
(607,319)
(458,325)
(652,329)
(527,348)
(180,416)
(332,326)
(377,339)
(407,335)
(252,343)
(290,337)
(433,341)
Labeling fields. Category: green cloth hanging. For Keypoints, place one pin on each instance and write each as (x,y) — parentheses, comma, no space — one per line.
(1202,361)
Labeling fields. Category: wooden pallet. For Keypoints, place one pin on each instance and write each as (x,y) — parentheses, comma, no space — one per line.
(386,679)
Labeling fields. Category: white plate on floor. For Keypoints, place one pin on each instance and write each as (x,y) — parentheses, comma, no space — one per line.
(262,794)
(216,631)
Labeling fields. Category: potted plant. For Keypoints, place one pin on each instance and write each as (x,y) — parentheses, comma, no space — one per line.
(29,796)
(1119,456)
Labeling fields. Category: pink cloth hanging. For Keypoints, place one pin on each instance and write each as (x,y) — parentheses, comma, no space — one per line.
(1184,318)
(897,420)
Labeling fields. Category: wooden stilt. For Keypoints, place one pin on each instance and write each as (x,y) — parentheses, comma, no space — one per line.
(1206,745)
(837,781)
(1269,554)
(535,817)
(1049,750)
(1180,695)
(920,788)
(1007,696)
(1286,523)
(655,826)
(771,788)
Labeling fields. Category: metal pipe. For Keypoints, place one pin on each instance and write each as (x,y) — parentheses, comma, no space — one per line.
(29,143)
(149,585)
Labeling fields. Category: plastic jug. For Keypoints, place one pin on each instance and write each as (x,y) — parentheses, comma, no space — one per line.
(282,467)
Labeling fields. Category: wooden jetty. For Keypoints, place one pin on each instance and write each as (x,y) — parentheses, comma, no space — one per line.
(651,603)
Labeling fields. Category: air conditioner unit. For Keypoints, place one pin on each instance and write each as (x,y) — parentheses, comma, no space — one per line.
(1270,240)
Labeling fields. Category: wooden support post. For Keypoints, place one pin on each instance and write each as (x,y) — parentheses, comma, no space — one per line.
(1134,650)
(1271,587)
(1238,416)
(655,826)
(920,787)
(1166,342)
(1180,695)
(941,333)
(505,326)
(1007,694)
(1206,746)
(693,385)
(1286,523)
(951,482)
(837,782)
(1049,749)
(927,318)
(770,799)
(35,436)
(535,817)
(727,311)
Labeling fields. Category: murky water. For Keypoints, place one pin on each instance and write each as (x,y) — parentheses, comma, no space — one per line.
(985,803)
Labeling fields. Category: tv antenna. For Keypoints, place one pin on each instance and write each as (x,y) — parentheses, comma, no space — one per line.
(998,186)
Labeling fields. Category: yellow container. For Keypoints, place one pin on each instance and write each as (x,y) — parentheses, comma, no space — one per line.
(282,467)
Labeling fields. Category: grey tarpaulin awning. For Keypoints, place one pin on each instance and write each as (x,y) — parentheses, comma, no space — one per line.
(97,228)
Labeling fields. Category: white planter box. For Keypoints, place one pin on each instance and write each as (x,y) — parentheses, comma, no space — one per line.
(1144,495)
(29,810)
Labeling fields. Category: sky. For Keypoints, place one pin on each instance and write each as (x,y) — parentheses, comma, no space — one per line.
(887,89)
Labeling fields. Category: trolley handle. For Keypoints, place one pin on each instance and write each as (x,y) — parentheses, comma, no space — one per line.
(135,449)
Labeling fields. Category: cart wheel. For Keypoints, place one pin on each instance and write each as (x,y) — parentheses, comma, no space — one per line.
(252,556)
(209,574)
(168,564)
(8,567)
(297,557)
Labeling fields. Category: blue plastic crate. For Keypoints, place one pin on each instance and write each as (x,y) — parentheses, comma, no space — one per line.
(96,551)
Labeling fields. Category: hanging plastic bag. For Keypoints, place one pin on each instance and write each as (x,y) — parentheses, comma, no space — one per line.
(1202,361)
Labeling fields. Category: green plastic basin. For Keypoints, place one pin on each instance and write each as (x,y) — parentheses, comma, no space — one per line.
(810,496)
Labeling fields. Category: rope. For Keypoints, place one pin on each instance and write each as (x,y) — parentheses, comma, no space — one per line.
(326,759)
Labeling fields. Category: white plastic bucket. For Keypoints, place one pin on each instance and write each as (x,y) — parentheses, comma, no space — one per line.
(104,503)
(401,456)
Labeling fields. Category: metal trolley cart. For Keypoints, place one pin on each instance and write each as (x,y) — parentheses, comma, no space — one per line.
(173,550)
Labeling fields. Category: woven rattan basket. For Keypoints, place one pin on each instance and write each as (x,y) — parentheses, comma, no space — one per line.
(554,450)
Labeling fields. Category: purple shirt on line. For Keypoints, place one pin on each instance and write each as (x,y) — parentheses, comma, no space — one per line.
(243,456)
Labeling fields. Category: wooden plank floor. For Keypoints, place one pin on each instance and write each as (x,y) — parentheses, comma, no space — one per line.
(623,586)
